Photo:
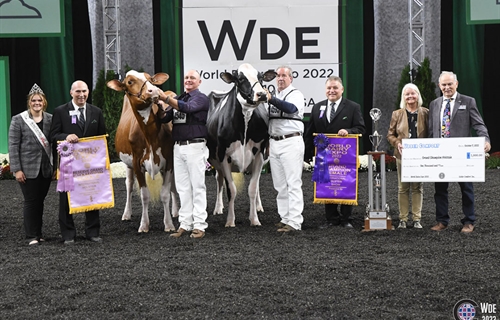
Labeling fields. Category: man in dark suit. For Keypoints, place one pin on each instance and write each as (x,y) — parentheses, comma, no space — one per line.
(71,121)
(463,115)
(335,115)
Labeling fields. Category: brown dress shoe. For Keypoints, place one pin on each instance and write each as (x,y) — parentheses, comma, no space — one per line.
(280,224)
(286,228)
(179,233)
(439,227)
(468,228)
(197,234)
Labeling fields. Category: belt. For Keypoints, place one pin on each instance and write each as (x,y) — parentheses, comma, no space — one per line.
(277,138)
(187,142)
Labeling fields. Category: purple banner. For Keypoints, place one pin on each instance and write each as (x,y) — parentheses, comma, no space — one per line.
(335,171)
(93,188)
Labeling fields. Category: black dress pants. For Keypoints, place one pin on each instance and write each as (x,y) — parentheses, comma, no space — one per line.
(34,192)
(333,216)
(68,231)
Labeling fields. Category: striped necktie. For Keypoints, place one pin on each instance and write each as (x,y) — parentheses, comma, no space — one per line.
(332,111)
(81,119)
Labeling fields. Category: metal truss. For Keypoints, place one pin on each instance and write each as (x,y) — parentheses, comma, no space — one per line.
(111,21)
(416,33)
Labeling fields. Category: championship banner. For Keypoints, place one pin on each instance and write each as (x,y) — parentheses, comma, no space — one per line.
(84,172)
(335,173)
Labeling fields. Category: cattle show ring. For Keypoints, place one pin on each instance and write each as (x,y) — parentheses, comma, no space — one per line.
(132,53)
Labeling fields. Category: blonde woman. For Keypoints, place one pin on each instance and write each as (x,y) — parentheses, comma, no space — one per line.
(410,121)
(31,160)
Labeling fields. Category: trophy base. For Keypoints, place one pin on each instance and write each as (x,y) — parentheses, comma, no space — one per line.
(374,223)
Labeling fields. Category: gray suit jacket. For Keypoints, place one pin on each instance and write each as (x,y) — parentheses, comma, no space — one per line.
(464,117)
(25,151)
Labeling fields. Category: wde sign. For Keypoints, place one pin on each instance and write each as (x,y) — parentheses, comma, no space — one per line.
(221,35)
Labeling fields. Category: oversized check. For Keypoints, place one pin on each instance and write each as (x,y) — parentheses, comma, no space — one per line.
(443,160)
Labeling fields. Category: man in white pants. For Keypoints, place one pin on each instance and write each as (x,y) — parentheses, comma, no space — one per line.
(286,111)
(188,113)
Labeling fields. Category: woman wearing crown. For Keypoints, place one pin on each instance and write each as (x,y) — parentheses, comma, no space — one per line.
(31,160)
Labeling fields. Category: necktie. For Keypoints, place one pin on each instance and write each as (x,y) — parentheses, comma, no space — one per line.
(332,111)
(81,119)
(445,125)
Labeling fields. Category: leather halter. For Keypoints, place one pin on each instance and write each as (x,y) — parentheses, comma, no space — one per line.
(138,94)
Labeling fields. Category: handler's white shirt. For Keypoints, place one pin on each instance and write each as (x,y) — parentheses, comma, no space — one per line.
(279,127)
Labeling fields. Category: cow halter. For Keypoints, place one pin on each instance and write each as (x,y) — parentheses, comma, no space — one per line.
(247,97)
(138,94)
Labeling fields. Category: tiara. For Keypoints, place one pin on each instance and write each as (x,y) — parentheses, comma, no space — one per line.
(36,89)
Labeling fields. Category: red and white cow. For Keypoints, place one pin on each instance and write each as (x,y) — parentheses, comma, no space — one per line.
(238,137)
(144,144)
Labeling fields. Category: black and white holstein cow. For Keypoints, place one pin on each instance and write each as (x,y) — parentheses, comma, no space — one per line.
(144,144)
(237,136)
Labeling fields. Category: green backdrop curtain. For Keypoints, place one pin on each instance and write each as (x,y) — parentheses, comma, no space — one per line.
(468,53)
(353,55)
(354,51)
(57,67)
(171,44)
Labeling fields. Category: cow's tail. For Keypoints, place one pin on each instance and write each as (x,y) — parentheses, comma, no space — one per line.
(154,187)
(239,180)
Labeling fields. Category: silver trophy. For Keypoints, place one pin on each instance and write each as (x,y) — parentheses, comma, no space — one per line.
(375,138)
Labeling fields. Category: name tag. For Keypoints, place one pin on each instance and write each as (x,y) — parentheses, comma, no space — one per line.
(322,111)
(462,107)
(74,113)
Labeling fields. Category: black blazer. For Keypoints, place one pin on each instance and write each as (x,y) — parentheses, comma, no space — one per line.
(348,117)
(62,126)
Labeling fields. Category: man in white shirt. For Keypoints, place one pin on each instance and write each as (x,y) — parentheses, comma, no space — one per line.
(286,111)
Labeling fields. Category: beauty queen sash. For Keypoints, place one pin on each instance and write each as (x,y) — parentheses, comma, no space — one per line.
(335,173)
(38,133)
(87,173)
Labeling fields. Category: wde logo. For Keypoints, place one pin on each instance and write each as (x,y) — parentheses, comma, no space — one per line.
(467,309)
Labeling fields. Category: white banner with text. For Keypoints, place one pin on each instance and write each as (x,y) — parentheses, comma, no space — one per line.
(219,36)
